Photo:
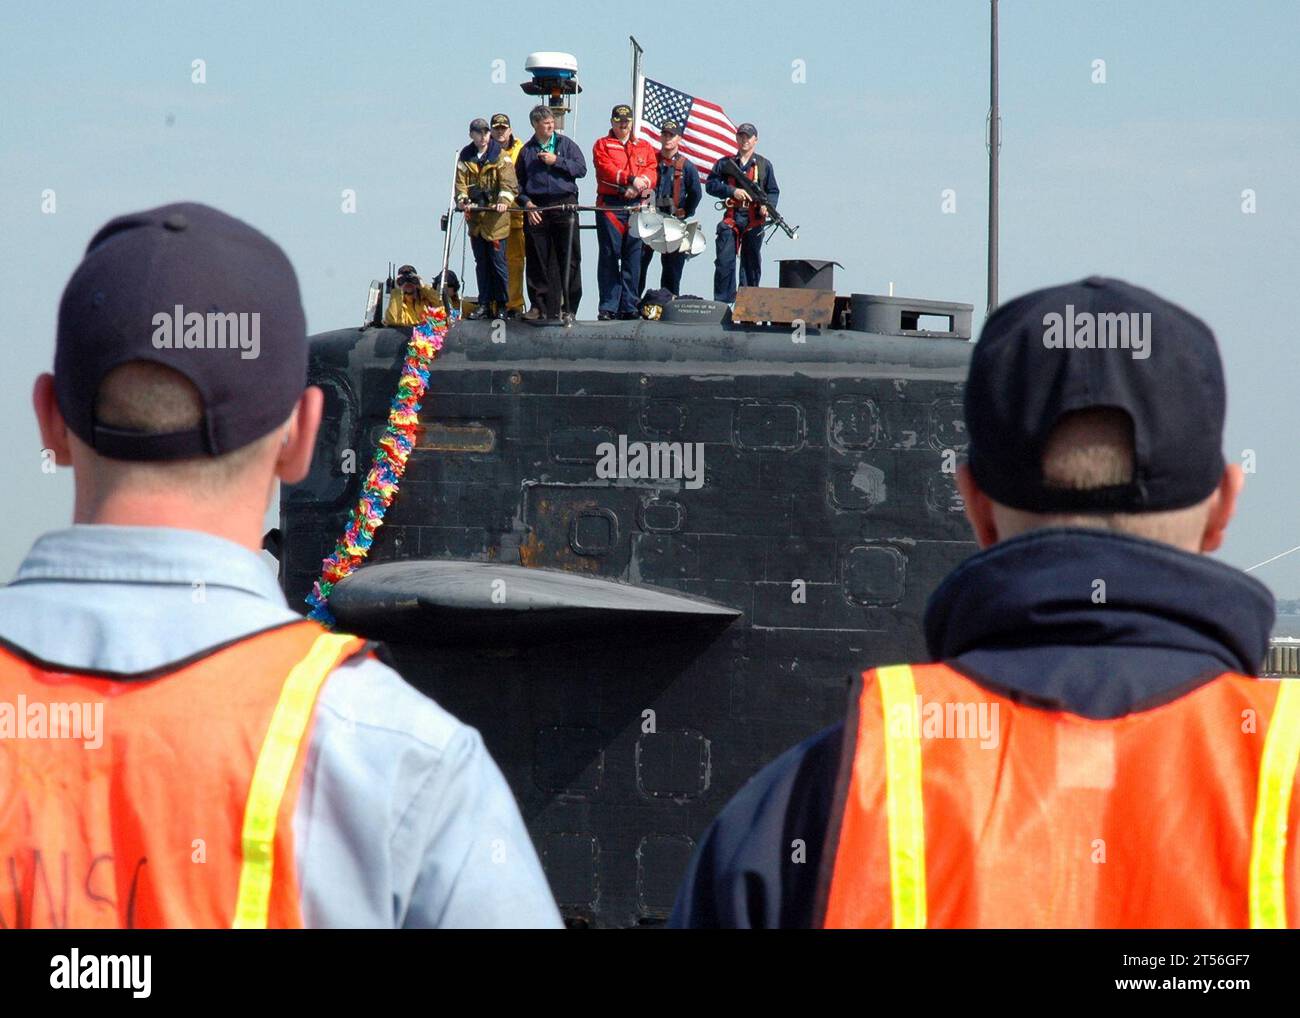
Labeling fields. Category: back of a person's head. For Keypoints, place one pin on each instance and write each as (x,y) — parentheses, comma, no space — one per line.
(1093,449)
(151,398)
(180,370)
(1097,404)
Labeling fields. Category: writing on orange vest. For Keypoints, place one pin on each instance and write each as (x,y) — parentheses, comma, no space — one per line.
(162,800)
(966,809)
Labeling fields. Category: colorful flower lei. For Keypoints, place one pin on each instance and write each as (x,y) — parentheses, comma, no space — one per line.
(389,463)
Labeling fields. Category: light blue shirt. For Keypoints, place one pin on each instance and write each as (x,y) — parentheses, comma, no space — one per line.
(403,819)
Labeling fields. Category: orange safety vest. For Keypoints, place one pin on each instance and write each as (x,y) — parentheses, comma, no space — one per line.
(757,213)
(161,800)
(678,164)
(966,809)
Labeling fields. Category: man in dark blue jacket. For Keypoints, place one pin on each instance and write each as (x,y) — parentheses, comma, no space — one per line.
(1096,483)
(548,170)
(677,193)
(742,227)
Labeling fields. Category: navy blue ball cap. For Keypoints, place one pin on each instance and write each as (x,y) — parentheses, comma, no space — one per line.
(1096,343)
(198,291)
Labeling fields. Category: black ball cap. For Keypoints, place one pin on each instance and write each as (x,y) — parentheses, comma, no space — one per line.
(1096,343)
(198,291)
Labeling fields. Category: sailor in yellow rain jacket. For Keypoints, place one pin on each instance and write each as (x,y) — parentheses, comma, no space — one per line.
(485,178)
(504,136)
(409,298)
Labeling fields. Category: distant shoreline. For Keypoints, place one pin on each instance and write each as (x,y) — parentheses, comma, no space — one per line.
(1287,625)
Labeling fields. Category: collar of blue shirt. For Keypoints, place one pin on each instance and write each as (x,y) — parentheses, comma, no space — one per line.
(91,553)
(131,599)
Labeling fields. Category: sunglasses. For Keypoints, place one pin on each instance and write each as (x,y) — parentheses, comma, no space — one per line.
(478,130)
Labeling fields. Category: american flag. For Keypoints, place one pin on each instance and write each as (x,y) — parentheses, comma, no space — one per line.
(707,132)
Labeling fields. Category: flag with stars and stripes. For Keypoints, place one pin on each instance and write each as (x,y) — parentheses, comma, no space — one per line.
(707,132)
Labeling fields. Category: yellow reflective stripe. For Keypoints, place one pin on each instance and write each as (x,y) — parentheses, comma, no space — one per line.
(1277,775)
(271,777)
(903,801)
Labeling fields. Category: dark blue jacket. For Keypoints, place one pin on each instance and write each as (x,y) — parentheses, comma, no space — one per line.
(1172,622)
(692,191)
(550,185)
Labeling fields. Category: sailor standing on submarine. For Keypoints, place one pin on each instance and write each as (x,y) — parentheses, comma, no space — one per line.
(485,179)
(625,177)
(741,231)
(677,193)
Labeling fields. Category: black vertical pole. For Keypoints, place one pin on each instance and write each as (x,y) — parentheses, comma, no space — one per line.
(568,264)
(446,241)
(994,145)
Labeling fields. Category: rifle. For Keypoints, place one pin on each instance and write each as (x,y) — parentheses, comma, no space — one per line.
(757,196)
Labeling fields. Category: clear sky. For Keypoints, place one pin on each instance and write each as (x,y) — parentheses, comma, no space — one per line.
(868,111)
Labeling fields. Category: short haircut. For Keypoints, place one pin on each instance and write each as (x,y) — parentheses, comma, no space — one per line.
(539,114)
(153,398)
(1093,448)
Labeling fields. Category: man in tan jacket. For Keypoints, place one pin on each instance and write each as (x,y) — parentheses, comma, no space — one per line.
(503,135)
(485,181)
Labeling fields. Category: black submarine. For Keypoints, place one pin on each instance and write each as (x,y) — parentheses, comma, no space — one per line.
(634,643)
(643,558)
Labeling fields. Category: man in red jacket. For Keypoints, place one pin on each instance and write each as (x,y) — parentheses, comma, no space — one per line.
(625,177)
